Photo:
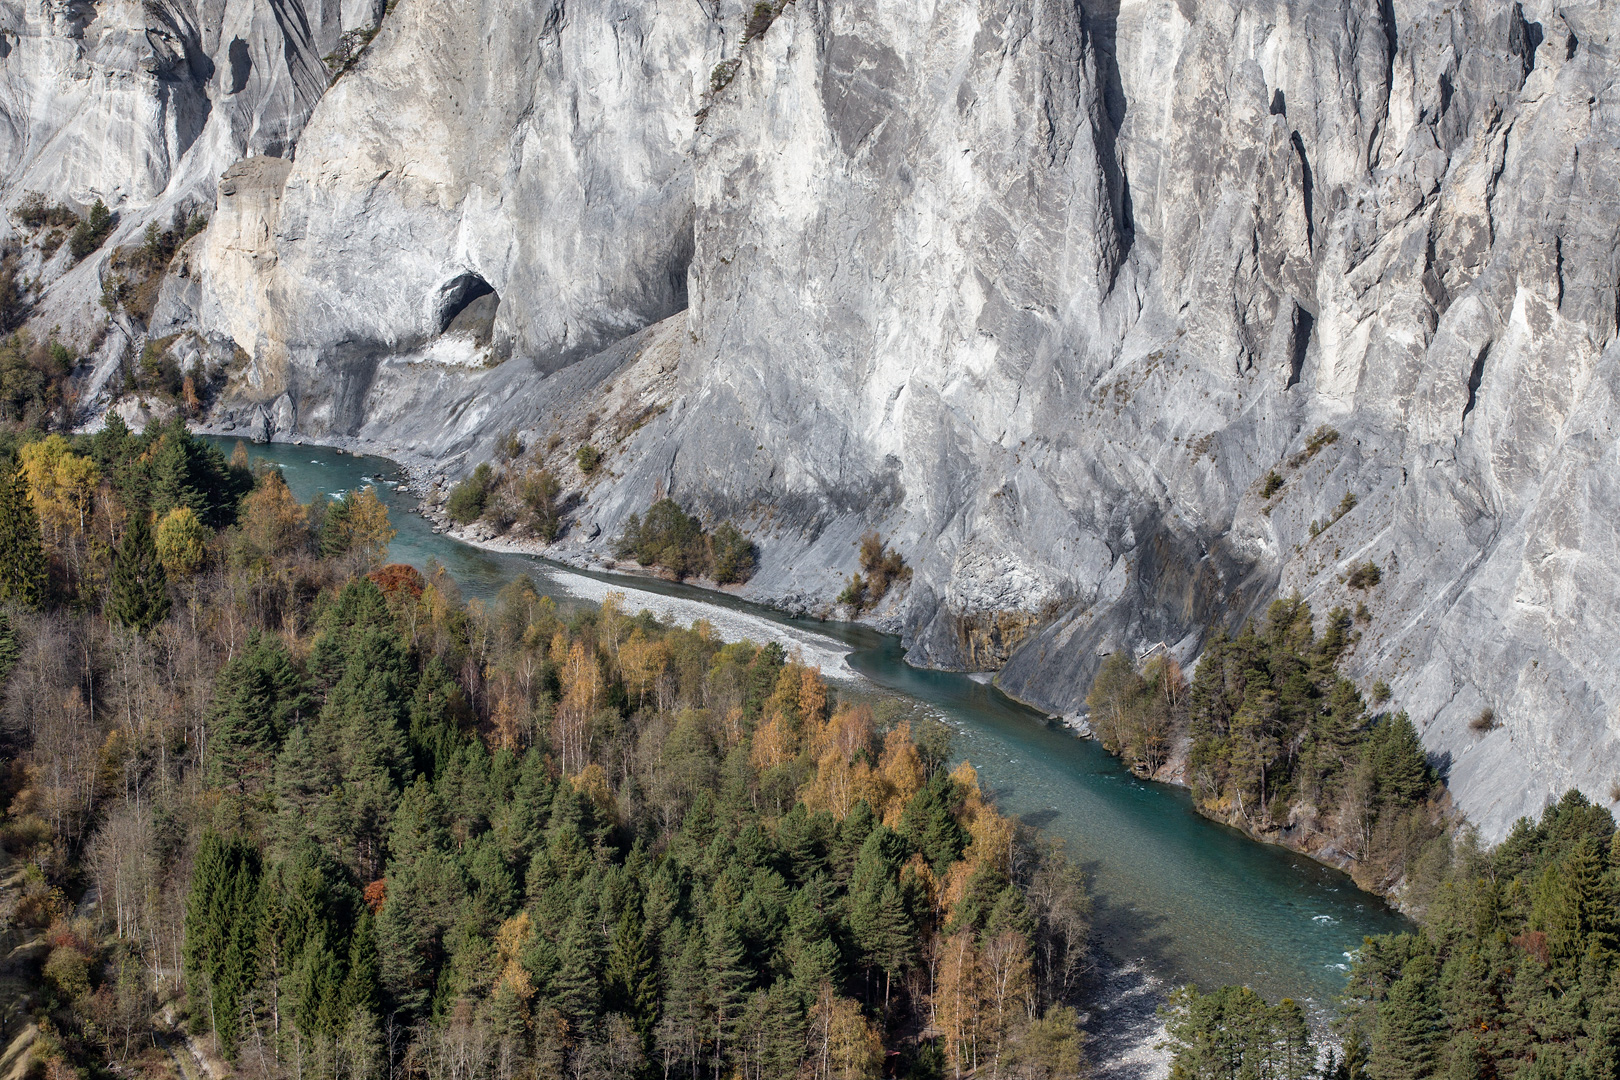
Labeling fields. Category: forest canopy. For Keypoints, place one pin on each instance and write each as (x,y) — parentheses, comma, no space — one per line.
(334,818)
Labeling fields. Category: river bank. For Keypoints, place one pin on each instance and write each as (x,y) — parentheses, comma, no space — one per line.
(1294,836)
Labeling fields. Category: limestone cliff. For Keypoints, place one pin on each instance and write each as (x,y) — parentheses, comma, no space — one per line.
(1118,318)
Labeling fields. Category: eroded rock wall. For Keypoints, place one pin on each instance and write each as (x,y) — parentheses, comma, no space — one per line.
(539,150)
(1050,323)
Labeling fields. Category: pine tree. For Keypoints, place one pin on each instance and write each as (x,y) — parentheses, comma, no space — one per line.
(1404,775)
(360,982)
(173,479)
(894,937)
(1291,1038)
(438,711)
(22,556)
(140,588)
(10,649)
(335,536)
(258,696)
(1467,1060)
(303,778)
(685,994)
(1574,906)
(574,988)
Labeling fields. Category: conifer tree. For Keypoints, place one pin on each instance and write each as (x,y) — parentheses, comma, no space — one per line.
(1467,1061)
(1291,1040)
(1574,905)
(574,988)
(173,483)
(140,587)
(893,936)
(1405,1042)
(1402,767)
(631,981)
(685,994)
(10,648)
(258,696)
(335,537)
(22,555)
(728,978)
(302,779)
(360,981)
(222,919)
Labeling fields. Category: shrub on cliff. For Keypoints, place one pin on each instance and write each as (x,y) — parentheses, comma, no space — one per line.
(760,19)
(35,213)
(538,491)
(1365,576)
(667,537)
(731,554)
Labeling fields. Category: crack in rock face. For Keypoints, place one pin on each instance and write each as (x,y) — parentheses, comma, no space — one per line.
(1045,295)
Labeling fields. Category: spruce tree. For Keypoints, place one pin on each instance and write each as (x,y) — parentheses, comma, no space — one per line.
(140,588)
(10,650)
(1467,1059)
(893,935)
(360,982)
(334,538)
(1574,905)
(631,982)
(223,914)
(686,992)
(303,777)
(173,479)
(258,696)
(22,556)
(728,979)
(574,987)
(1405,1042)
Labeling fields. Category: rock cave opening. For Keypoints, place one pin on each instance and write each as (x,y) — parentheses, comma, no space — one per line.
(467,305)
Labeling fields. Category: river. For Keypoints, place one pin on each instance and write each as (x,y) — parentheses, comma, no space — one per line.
(1176,895)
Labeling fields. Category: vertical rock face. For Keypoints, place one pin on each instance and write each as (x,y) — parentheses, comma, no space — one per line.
(1043,292)
(129,101)
(1048,295)
(142,104)
(530,150)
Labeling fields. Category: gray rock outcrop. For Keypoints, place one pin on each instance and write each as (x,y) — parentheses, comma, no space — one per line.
(1045,293)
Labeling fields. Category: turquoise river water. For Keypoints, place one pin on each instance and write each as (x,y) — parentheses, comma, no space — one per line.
(1189,899)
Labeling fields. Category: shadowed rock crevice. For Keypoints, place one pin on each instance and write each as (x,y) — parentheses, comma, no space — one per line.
(1304,325)
(1475,377)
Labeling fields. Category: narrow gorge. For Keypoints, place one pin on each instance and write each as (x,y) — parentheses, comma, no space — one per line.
(1236,381)
(1116,319)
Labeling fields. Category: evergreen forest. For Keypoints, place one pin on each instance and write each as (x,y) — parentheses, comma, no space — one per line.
(1513,969)
(273,802)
